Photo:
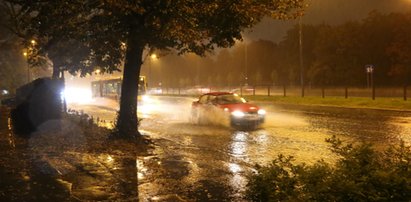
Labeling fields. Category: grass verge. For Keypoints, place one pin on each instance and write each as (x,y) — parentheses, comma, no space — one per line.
(353,102)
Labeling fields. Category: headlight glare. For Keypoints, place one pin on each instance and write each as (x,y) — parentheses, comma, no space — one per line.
(145,98)
(261,112)
(238,114)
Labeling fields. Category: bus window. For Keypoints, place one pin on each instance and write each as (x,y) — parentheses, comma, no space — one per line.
(112,87)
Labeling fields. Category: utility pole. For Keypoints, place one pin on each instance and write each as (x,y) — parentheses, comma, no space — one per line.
(370,75)
(245,63)
(28,66)
(301,55)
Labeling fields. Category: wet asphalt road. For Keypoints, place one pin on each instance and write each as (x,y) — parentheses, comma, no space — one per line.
(209,162)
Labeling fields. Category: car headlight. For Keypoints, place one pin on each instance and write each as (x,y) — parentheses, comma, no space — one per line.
(238,114)
(261,112)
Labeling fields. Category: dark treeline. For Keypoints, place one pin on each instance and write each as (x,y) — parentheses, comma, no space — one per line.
(332,55)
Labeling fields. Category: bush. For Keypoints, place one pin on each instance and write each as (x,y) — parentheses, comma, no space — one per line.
(360,174)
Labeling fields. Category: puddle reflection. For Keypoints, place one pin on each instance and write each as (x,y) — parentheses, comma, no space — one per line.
(107,160)
(239,144)
(10,137)
(239,147)
(401,129)
(234,168)
(141,168)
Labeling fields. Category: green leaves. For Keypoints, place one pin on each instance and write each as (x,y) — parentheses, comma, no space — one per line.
(79,35)
(362,173)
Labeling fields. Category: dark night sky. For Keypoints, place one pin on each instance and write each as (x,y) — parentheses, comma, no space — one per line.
(329,12)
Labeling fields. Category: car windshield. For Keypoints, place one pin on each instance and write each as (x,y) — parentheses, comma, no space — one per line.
(230,99)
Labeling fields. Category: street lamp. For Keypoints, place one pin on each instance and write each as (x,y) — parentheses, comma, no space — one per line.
(245,63)
(152,57)
(369,69)
(370,78)
(25,54)
(300,33)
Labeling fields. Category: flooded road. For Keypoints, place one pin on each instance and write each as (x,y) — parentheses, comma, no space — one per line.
(209,162)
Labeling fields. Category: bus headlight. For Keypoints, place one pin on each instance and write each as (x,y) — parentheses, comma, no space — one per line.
(145,98)
(76,95)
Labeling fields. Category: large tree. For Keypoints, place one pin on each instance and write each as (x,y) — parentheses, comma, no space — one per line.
(184,25)
(113,26)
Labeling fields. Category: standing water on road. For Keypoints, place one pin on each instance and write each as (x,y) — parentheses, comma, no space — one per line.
(210,161)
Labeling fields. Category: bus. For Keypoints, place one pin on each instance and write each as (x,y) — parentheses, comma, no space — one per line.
(111,88)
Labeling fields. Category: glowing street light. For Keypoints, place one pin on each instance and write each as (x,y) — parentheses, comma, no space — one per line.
(25,54)
(152,57)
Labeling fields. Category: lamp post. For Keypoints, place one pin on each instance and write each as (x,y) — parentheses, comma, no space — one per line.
(152,57)
(300,33)
(246,63)
(25,54)
(370,78)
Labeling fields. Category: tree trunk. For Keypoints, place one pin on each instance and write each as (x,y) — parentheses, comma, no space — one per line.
(127,120)
(59,74)
(63,81)
(56,70)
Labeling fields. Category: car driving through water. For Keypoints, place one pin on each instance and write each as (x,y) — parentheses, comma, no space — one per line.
(238,111)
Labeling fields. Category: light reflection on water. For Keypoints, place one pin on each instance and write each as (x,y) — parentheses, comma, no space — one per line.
(106,124)
(238,183)
(402,128)
(239,144)
(141,168)
(234,168)
(238,149)
(11,137)
(300,134)
(107,159)
(262,138)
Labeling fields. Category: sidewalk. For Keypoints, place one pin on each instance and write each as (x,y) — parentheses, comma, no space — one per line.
(71,164)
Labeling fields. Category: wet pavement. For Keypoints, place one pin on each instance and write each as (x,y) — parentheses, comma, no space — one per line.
(210,162)
(188,162)
(65,164)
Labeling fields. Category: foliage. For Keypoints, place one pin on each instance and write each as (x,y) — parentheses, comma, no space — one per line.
(13,67)
(109,30)
(362,173)
(184,26)
(351,102)
(333,56)
(47,30)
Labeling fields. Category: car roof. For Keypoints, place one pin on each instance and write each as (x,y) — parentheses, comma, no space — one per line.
(218,93)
